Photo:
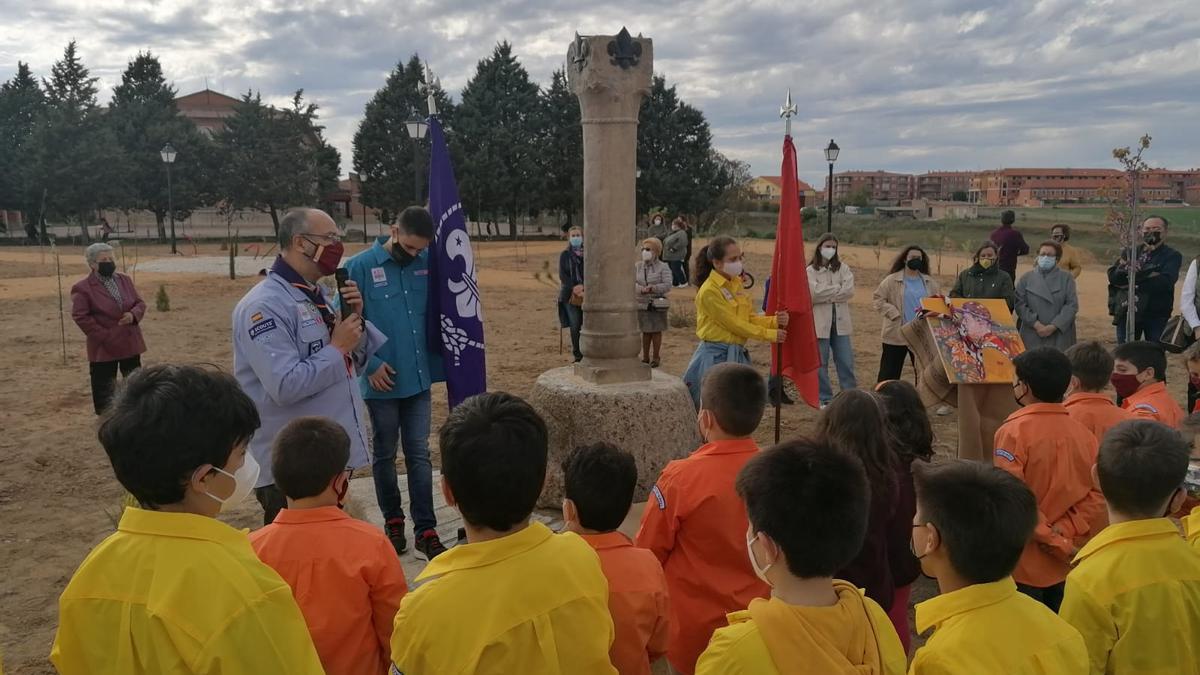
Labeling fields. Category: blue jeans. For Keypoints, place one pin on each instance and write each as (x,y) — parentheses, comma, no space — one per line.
(843,358)
(405,420)
(1149,328)
(575,320)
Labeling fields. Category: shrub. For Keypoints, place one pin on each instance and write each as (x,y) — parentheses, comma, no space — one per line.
(161,302)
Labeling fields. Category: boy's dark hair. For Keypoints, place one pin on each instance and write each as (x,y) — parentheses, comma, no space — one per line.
(306,455)
(984,515)
(1008,218)
(494,450)
(415,220)
(1046,371)
(737,397)
(168,420)
(812,500)
(1143,355)
(1141,463)
(906,417)
(854,422)
(600,479)
(1091,363)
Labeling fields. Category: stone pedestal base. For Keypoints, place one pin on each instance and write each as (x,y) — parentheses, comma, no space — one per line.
(654,420)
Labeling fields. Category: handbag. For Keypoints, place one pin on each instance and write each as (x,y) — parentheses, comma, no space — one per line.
(1177,336)
(658,304)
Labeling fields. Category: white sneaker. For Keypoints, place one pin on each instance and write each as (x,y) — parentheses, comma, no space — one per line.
(943,411)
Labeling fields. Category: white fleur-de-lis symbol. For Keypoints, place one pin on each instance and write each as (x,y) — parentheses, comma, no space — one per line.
(464,288)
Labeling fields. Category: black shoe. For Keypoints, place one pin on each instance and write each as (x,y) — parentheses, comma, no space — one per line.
(394,529)
(428,546)
(780,398)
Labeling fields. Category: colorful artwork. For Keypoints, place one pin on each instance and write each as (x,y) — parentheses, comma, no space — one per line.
(977,339)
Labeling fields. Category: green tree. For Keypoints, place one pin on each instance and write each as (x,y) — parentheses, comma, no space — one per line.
(383,150)
(273,159)
(679,169)
(859,197)
(144,118)
(78,160)
(561,146)
(22,108)
(497,128)
(725,191)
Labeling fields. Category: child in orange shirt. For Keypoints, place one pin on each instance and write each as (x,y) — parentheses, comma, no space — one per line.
(695,523)
(1053,454)
(1140,378)
(598,483)
(1091,369)
(343,572)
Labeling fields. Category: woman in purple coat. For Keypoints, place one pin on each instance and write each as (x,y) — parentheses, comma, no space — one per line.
(109,311)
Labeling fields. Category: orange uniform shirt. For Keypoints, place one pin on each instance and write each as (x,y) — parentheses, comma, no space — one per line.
(1053,454)
(637,599)
(347,580)
(1153,402)
(1097,412)
(696,526)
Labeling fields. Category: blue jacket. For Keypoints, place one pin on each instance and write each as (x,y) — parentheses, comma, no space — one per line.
(284,362)
(395,299)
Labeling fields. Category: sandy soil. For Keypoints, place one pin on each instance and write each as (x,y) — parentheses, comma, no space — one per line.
(57,494)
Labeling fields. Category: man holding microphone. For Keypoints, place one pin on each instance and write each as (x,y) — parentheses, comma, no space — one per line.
(292,355)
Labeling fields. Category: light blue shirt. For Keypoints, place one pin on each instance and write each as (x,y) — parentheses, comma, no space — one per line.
(914,292)
(394,299)
(284,362)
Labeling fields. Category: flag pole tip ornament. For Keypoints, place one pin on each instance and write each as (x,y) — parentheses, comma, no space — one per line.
(787,111)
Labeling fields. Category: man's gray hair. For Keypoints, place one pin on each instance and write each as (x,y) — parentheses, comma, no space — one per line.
(95,250)
(294,222)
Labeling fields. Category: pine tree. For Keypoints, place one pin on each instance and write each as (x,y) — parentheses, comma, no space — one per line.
(78,160)
(144,118)
(675,154)
(22,108)
(383,150)
(561,148)
(498,125)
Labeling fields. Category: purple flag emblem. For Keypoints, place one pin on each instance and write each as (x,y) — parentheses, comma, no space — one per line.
(455,313)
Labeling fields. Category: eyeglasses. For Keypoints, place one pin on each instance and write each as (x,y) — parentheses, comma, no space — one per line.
(331,238)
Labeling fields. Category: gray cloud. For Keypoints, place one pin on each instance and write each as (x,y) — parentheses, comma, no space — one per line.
(902,86)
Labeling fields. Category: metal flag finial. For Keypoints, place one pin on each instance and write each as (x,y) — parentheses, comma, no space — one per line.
(431,83)
(786,113)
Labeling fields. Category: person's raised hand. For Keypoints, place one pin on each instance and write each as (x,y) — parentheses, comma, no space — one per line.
(381,379)
(347,333)
(352,297)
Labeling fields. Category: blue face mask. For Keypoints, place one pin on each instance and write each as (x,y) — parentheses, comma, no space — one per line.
(1046,262)
(576,242)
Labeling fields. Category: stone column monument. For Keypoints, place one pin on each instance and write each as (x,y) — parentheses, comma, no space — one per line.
(611,395)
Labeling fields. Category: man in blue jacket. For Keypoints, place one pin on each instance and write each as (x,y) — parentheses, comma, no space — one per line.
(394,277)
(1157,272)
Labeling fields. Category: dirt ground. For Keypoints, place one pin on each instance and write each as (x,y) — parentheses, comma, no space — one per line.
(58,497)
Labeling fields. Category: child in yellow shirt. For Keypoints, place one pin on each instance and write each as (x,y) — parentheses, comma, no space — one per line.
(971,526)
(808,507)
(1134,594)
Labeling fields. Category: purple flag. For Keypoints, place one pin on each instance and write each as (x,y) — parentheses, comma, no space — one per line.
(455,313)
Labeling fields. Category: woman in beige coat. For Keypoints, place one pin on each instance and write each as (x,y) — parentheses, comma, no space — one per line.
(897,300)
(831,284)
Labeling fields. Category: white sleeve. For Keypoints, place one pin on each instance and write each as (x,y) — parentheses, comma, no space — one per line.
(1187,298)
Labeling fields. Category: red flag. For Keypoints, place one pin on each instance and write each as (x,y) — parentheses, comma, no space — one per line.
(789,289)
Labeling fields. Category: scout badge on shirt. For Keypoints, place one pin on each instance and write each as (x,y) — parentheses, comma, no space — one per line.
(378,276)
(308,314)
(728,296)
(658,497)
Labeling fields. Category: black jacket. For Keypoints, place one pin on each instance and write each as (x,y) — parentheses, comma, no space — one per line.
(1155,282)
(570,273)
(976,282)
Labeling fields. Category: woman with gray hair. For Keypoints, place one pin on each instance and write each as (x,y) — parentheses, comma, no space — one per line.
(107,308)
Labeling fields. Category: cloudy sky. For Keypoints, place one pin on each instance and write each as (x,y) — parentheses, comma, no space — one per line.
(907,86)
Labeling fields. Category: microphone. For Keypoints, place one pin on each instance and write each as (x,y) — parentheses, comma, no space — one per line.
(341,275)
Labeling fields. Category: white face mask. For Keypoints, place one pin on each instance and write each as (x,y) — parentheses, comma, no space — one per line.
(828,252)
(244,479)
(647,255)
(760,572)
(733,269)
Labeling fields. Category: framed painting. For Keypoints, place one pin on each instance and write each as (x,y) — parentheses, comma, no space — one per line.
(976,339)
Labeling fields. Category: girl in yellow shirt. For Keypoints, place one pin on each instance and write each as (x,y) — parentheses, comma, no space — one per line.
(725,316)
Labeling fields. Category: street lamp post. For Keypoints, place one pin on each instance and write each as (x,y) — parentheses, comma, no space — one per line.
(831,155)
(168,158)
(416,131)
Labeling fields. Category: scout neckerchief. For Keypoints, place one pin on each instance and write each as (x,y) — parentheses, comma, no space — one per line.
(314,295)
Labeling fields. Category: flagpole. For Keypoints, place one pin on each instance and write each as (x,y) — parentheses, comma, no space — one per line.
(786,112)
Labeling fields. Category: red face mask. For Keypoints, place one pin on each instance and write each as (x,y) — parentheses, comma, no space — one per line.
(1195,380)
(327,256)
(1125,384)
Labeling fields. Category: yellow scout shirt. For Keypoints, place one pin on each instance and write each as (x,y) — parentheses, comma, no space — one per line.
(179,593)
(531,602)
(991,629)
(725,314)
(1135,596)
(854,637)
(1191,526)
